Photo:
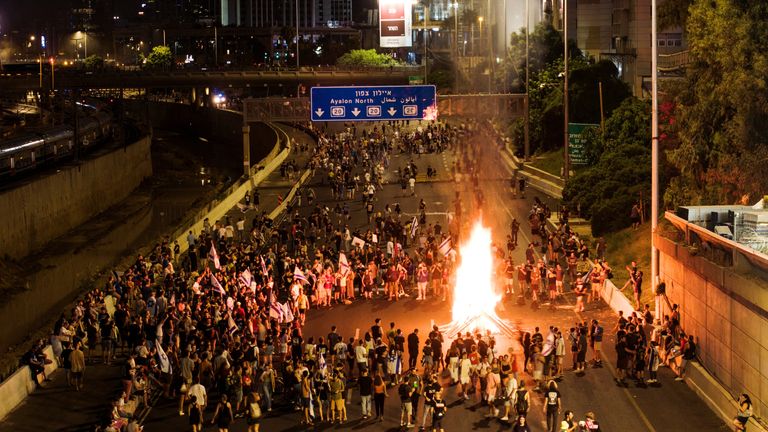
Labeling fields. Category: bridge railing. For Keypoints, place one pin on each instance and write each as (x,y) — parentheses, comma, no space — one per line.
(673,61)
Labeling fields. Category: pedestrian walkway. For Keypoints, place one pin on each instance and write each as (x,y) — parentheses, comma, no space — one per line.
(79,411)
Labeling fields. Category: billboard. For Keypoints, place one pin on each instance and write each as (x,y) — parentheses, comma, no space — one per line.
(395,23)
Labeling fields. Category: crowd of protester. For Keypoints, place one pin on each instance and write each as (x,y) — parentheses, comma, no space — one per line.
(220,329)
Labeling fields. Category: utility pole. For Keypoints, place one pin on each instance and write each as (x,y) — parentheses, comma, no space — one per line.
(490,48)
(297,35)
(566,159)
(527,152)
(602,113)
(654,158)
(506,51)
(426,30)
(456,46)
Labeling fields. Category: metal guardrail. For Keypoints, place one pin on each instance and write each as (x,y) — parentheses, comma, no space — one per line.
(673,62)
(691,230)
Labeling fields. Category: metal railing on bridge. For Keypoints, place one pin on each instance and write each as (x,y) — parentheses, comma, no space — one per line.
(673,62)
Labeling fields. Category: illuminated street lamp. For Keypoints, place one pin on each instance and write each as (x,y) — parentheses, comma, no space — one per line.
(455,7)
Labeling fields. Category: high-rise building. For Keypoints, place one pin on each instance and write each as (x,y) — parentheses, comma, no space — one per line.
(332,13)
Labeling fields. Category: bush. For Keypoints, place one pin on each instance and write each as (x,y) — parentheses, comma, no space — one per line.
(366,58)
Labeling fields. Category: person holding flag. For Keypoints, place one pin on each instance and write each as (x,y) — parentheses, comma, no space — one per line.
(217,287)
(214,257)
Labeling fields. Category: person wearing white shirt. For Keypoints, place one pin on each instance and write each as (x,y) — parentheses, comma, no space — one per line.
(199,392)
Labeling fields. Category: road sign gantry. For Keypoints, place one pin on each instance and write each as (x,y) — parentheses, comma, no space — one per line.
(381,103)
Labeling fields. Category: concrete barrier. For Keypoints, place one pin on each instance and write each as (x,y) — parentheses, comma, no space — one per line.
(221,208)
(616,299)
(281,208)
(535,178)
(20,384)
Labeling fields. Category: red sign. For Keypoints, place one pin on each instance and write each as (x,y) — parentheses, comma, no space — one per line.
(393,28)
(392,11)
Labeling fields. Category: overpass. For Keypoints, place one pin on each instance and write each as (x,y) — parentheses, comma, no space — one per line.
(120,79)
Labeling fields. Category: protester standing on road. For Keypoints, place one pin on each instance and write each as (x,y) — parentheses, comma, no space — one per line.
(195,414)
(406,407)
(521,425)
(552,406)
(254,411)
(365,384)
(77,362)
(223,416)
(379,394)
(438,412)
(413,348)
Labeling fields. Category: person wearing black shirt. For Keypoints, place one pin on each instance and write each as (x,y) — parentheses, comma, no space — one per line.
(365,384)
(333,339)
(431,388)
(437,354)
(438,412)
(399,341)
(622,359)
(689,353)
(552,406)
(381,357)
(413,348)
(376,330)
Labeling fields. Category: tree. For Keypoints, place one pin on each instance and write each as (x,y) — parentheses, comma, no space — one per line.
(721,113)
(93,62)
(545,46)
(366,58)
(584,93)
(159,58)
(673,13)
(622,172)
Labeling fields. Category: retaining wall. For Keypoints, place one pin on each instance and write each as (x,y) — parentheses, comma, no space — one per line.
(48,206)
(725,310)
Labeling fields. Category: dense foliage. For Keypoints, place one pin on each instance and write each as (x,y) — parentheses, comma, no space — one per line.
(621,173)
(546,87)
(159,58)
(366,58)
(722,111)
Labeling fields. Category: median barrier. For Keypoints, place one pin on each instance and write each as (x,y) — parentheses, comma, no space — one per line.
(221,208)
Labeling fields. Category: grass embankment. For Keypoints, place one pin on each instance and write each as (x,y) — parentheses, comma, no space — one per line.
(551,161)
(626,246)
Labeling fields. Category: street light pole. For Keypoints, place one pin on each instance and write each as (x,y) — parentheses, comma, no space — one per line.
(297,35)
(490,48)
(566,160)
(654,157)
(456,47)
(426,30)
(526,129)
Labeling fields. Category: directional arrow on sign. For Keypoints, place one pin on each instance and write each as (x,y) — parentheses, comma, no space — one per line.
(392,111)
(319,112)
(355,112)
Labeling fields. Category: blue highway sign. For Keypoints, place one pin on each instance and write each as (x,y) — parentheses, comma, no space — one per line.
(374,103)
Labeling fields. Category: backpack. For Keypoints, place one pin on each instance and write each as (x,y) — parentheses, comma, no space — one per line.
(521,405)
(255,410)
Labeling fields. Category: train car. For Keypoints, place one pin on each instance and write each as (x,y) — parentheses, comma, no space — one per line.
(45,147)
